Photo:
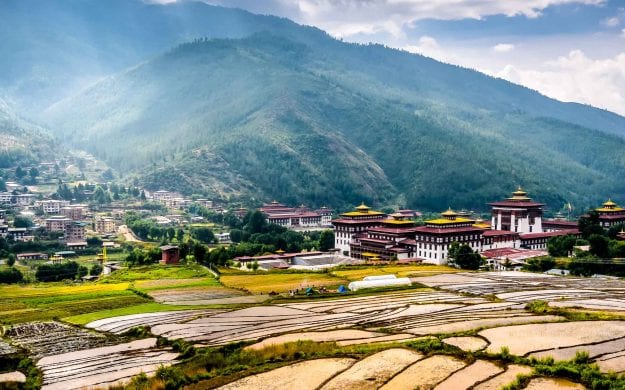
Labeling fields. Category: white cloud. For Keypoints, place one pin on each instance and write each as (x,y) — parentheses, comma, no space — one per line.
(345,18)
(623,33)
(611,22)
(578,78)
(503,47)
(429,47)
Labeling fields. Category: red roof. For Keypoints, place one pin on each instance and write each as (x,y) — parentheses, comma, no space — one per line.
(366,239)
(612,216)
(529,236)
(507,203)
(390,230)
(357,221)
(572,224)
(294,215)
(494,233)
(431,230)
(512,253)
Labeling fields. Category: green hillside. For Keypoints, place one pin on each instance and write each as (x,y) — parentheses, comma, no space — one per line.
(305,118)
(21,142)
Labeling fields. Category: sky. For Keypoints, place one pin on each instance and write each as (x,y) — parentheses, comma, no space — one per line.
(570,50)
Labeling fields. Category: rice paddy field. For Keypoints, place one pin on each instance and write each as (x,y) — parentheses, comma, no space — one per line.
(281,282)
(401,271)
(464,330)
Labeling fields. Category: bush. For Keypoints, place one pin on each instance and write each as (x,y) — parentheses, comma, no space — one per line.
(11,275)
(95,270)
(57,272)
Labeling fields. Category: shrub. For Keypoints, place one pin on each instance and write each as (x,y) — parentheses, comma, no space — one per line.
(56,272)
(11,275)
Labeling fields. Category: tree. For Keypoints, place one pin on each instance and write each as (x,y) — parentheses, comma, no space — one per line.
(34,172)
(452,252)
(179,235)
(589,224)
(326,240)
(203,234)
(22,222)
(82,271)
(467,259)
(100,196)
(11,275)
(236,235)
(599,246)
(561,246)
(11,260)
(199,252)
(19,172)
(96,270)
(255,222)
(56,272)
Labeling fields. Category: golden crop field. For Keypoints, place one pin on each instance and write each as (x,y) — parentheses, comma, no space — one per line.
(397,270)
(41,302)
(280,283)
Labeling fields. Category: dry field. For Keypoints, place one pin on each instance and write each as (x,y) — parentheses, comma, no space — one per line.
(391,369)
(525,287)
(523,339)
(307,375)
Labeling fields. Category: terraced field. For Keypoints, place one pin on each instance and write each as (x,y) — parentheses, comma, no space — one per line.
(103,367)
(392,369)
(410,314)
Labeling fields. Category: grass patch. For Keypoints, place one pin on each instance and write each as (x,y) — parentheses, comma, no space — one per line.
(280,282)
(167,284)
(572,314)
(156,272)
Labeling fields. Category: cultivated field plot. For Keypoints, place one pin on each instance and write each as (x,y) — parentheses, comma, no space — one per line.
(391,369)
(522,287)
(41,302)
(50,338)
(119,325)
(6,349)
(408,314)
(280,283)
(401,271)
(603,340)
(201,296)
(103,367)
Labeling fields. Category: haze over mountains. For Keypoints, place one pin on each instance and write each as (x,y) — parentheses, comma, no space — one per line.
(210,100)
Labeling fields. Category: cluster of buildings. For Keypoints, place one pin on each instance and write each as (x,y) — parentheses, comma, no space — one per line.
(516,223)
(296,217)
(176,201)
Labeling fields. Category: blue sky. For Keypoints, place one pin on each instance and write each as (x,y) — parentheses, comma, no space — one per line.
(571,50)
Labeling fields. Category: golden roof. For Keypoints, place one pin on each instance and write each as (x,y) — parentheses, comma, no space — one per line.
(519,195)
(610,206)
(449,213)
(443,221)
(362,210)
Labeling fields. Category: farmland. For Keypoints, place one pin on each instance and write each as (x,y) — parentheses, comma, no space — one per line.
(357,273)
(463,330)
(280,282)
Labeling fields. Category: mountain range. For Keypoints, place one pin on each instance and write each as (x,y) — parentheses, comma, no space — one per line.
(218,101)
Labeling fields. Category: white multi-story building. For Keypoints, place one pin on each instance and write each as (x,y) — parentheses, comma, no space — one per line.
(51,206)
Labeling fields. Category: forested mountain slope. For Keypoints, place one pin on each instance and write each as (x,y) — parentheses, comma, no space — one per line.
(301,117)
